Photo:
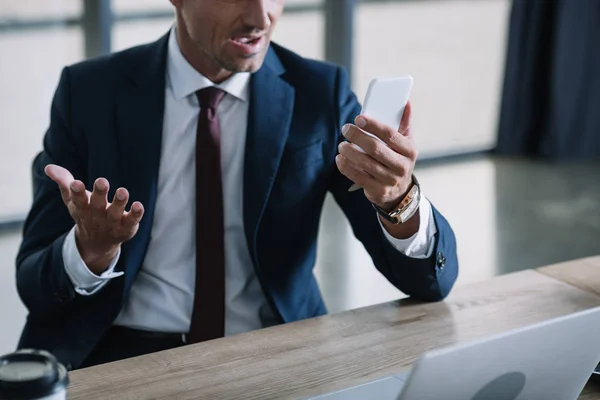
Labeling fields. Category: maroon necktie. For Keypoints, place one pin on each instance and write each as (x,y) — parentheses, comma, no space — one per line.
(208,315)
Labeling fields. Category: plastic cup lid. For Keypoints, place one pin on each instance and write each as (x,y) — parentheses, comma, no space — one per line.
(28,374)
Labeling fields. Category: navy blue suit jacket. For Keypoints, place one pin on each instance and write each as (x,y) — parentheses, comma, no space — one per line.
(106,121)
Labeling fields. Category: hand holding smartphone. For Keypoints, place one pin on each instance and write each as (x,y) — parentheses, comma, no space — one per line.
(385,101)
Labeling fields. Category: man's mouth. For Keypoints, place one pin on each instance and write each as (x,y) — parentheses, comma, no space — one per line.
(246,40)
(247,44)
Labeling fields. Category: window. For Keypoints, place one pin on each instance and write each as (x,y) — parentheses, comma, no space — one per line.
(454,50)
(27,93)
(36,9)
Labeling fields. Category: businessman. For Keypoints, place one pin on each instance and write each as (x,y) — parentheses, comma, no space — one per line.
(178,194)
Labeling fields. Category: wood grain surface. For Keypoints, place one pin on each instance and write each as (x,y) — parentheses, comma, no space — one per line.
(584,273)
(336,351)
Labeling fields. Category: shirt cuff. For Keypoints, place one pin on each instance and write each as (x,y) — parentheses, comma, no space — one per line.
(422,243)
(85,281)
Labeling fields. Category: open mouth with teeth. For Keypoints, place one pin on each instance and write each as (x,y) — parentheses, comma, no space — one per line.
(246,46)
(246,40)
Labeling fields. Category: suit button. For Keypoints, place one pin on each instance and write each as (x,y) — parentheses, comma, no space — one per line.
(441,259)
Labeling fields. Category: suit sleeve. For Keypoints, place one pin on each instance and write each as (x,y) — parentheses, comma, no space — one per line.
(428,279)
(42,282)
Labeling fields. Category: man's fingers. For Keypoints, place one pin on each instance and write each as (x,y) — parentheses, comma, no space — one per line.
(78,194)
(63,179)
(374,148)
(117,207)
(134,216)
(367,163)
(354,173)
(400,143)
(405,124)
(98,200)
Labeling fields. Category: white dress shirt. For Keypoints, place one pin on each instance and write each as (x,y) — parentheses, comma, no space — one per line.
(162,295)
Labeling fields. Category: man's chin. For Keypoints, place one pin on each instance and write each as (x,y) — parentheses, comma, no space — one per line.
(246,64)
(243,62)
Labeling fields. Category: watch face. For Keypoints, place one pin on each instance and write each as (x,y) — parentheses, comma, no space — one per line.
(409,197)
(411,209)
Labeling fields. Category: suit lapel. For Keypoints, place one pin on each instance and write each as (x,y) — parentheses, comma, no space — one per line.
(140,109)
(269,119)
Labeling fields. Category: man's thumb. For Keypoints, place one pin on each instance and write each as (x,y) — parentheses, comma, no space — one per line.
(404,127)
(62,177)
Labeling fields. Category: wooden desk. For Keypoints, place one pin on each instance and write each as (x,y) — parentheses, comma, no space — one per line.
(584,273)
(336,351)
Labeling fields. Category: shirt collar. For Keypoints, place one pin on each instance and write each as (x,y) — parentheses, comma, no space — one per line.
(185,79)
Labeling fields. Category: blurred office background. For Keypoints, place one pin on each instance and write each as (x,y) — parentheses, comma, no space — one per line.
(502,100)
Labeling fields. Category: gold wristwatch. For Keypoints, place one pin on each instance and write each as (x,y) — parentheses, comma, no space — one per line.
(407,207)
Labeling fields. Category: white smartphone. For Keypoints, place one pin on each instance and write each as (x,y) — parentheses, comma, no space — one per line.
(385,101)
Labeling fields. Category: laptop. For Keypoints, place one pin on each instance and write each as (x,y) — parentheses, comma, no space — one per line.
(549,360)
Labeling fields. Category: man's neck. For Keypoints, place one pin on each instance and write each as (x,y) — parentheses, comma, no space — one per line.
(200,60)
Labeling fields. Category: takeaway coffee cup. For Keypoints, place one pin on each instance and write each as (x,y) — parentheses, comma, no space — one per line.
(32,375)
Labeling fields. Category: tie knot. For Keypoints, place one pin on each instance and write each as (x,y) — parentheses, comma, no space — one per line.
(210,97)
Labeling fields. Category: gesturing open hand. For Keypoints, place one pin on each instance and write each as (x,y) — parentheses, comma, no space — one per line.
(101,226)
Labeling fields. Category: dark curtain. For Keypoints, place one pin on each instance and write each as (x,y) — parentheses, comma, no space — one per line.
(551,95)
